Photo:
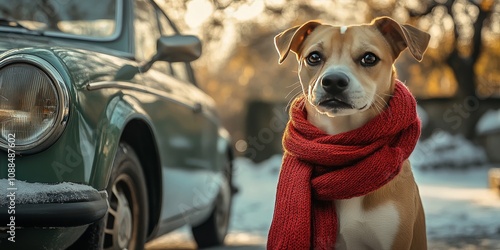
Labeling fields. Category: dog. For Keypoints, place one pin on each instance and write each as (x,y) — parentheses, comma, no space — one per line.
(347,75)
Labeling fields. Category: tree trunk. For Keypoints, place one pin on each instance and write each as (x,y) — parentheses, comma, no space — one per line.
(466,100)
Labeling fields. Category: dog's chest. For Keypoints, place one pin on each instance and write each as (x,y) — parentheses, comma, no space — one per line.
(361,229)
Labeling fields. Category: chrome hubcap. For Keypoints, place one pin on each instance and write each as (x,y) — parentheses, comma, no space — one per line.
(123,221)
(119,231)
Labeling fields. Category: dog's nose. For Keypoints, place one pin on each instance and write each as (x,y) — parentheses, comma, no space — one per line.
(335,83)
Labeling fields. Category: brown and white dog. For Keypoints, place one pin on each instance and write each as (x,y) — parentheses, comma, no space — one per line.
(358,61)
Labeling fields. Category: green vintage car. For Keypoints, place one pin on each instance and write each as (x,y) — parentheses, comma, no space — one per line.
(105,140)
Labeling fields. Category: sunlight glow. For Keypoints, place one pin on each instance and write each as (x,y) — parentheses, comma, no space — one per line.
(275,2)
(247,12)
(198,11)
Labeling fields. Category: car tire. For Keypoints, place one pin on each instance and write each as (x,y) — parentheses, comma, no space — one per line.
(127,217)
(212,231)
(104,234)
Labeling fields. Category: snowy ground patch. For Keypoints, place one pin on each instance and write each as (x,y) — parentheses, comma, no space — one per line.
(458,203)
(253,206)
(443,150)
(489,122)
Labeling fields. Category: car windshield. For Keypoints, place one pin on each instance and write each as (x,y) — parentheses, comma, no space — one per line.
(94,19)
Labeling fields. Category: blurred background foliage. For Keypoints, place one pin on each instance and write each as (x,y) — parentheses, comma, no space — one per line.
(458,80)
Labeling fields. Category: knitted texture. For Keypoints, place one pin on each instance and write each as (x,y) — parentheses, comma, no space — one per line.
(318,168)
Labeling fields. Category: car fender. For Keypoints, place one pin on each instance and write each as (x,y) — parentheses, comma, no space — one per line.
(120,110)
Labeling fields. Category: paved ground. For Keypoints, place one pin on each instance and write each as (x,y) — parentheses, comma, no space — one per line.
(248,242)
(491,242)
(182,241)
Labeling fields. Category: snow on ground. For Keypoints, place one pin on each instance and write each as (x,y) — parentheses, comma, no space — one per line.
(443,150)
(253,206)
(457,202)
(461,212)
(489,122)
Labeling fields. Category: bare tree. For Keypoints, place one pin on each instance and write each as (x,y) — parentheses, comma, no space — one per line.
(469,20)
(467,16)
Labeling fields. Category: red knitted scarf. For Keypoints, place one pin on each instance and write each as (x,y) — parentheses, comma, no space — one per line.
(319,168)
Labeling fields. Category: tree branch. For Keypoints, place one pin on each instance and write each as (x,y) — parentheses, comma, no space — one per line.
(454,53)
(428,10)
(274,10)
(478,28)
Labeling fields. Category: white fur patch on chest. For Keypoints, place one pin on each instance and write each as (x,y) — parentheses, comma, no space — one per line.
(343,29)
(360,229)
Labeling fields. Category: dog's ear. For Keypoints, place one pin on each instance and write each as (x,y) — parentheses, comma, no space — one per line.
(401,37)
(292,38)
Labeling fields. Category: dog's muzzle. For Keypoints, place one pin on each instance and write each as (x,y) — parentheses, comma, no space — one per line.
(335,86)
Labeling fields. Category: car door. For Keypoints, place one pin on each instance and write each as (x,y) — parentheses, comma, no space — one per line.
(208,148)
(185,134)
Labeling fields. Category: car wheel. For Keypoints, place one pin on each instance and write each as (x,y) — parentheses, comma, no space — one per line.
(213,231)
(127,219)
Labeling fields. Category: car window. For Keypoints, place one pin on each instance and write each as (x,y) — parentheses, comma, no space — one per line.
(70,18)
(146,30)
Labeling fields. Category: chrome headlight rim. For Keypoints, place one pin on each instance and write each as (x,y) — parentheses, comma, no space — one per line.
(62,110)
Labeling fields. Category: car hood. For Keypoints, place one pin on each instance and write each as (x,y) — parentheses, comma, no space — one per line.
(12,41)
(84,66)
(88,66)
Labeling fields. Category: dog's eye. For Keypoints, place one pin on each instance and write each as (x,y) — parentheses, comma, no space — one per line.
(369,59)
(314,58)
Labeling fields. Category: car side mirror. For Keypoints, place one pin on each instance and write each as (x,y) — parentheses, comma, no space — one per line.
(178,48)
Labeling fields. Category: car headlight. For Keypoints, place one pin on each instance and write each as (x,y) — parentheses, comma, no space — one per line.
(34,103)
